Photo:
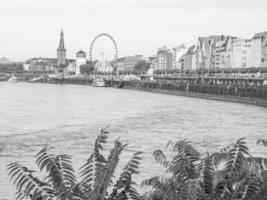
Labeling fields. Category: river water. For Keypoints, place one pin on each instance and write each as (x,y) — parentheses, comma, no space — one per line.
(69,117)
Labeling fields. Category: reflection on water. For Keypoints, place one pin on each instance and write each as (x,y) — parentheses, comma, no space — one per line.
(69,117)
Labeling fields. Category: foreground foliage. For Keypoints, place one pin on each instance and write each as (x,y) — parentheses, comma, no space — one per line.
(62,183)
(230,174)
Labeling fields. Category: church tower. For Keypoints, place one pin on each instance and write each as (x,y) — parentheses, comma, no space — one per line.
(61,51)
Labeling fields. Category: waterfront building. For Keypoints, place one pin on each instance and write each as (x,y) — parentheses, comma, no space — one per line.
(178,52)
(127,63)
(26,67)
(241,51)
(194,61)
(189,59)
(80,60)
(61,52)
(181,62)
(258,51)
(164,58)
(71,68)
(223,52)
(47,65)
(205,51)
(153,62)
(41,65)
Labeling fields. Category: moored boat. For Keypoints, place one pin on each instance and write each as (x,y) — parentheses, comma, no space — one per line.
(36,80)
(98,82)
(13,79)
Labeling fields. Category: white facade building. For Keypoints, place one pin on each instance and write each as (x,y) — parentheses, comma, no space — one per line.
(164,58)
(178,52)
(26,67)
(71,68)
(258,51)
(223,53)
(194,61)
(241,50)
(80,60)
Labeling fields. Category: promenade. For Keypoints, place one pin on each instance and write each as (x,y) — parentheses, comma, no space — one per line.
(249,90)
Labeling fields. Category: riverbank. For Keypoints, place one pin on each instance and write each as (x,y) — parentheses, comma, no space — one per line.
(185,91)
(253,95)
(229,98)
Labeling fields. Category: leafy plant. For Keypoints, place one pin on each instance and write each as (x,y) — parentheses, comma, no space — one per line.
(262,142)
(192,177)
(62,183)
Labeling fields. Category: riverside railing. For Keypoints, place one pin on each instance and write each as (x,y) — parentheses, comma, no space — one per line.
(252,91)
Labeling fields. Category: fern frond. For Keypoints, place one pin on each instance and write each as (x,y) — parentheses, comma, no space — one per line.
(236,156)
(124,184)
(101,139)
(20,195)
(248,188)
(81,191)
(192,190)
(183,167)
(60,172)
(110,167)
(221,156)
(261,162)
(133,194)
(65,166)
(158,182)
(92,170)
(44,159)
(206,171)
(187,149)
(227,148)
(26,184)
(223,191)
(133,165)
(170,144)
(161,158)
(262,142)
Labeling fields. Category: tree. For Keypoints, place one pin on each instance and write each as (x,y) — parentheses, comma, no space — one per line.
(194,178)
(62,183)
(141,66)
(13,67)
(86,68)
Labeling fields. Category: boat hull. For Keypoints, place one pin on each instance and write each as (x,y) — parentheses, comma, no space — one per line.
(13,80)
(98,83)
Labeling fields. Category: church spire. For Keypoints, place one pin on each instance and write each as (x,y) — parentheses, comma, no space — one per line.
(61,42)
(61,51)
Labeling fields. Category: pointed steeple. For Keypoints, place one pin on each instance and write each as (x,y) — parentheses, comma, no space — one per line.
(61,51)
(61,42)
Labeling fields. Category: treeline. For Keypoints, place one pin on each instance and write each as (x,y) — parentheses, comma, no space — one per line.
(9,68)
(140,67)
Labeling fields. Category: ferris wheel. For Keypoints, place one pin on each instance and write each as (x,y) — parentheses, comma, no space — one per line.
(103,65)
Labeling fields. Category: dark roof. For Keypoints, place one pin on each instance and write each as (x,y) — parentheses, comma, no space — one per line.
(81,52)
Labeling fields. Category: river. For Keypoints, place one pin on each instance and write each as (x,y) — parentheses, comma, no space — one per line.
(69,117)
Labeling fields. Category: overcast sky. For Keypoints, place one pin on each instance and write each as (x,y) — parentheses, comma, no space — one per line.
(31,28)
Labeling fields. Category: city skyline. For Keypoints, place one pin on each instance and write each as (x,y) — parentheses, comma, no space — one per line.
(31,28)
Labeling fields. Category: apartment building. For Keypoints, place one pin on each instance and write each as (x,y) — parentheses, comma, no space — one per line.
(165,58)
(258,51)
(178,52)
(241,51)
